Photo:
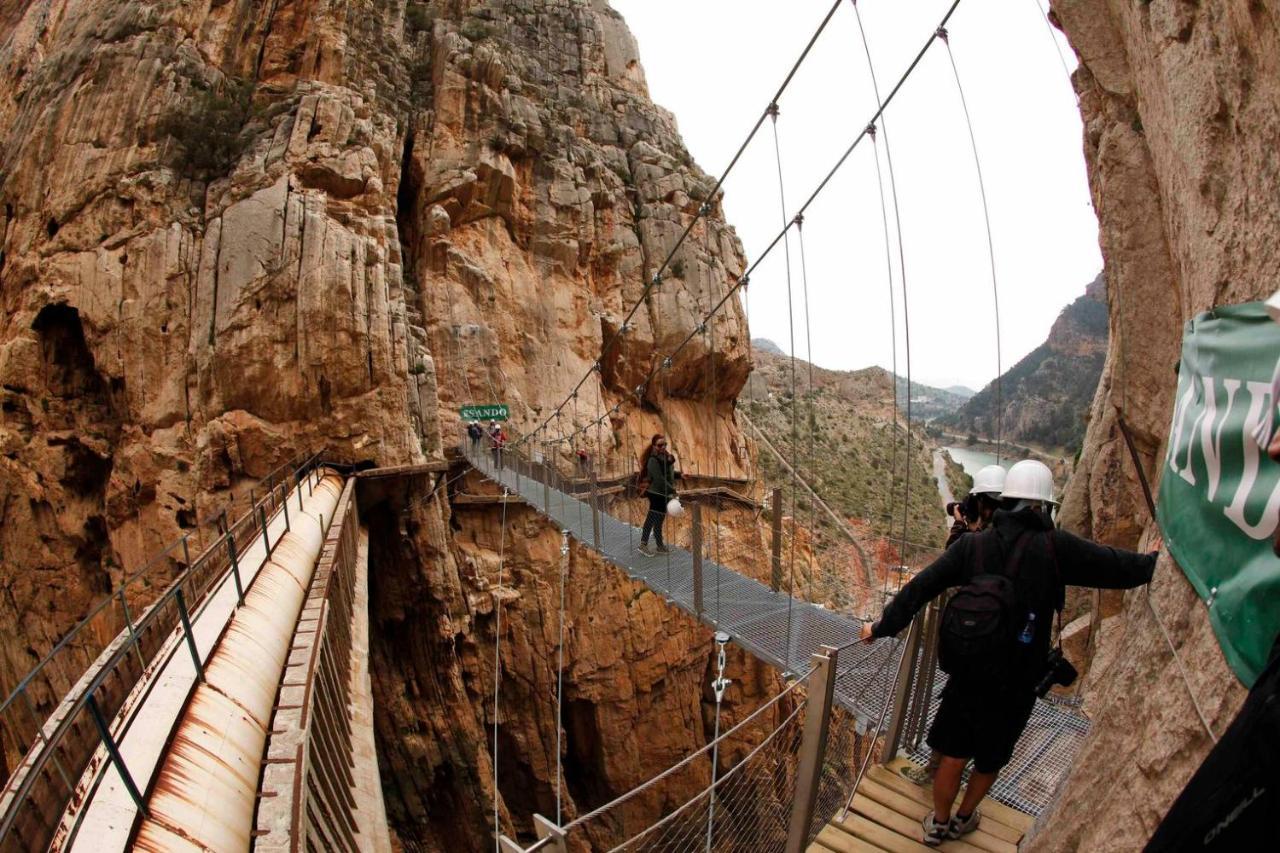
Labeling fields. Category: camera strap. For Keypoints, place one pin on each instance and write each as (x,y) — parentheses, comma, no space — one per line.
(1059,592)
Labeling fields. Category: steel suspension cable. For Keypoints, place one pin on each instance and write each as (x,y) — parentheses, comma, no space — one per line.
(902,255)
(706,207)
(497,671)
(809,396)
(745,278)
(893,338)
(991,250)
(791,330)
(1040,13)
(564,571)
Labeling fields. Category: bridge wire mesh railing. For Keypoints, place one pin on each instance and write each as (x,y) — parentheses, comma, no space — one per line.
(53,722)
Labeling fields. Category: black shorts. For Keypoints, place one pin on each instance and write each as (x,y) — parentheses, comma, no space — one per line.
(980,723)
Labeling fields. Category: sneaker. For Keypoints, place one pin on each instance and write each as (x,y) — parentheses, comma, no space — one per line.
(645,549)
(935,833)
(662,549)
(964,827)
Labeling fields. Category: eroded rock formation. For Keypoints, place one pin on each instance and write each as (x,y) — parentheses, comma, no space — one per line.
(232,231)
(1181,104)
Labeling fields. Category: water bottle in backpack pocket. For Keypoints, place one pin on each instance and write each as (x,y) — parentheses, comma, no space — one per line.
(979,628)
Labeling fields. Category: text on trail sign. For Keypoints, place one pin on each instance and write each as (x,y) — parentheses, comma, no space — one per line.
(490,412)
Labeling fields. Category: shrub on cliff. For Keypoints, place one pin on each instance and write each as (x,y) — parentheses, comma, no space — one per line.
(207,129)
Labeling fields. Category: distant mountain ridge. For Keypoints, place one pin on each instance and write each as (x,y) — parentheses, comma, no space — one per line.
(1046,395)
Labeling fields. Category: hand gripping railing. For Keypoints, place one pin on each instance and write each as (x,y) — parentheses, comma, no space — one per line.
(118,640)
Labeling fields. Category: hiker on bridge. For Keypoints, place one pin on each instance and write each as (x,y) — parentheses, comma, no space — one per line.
(474,432)
(994,636)
(658,477)
(497,441)
(975,512)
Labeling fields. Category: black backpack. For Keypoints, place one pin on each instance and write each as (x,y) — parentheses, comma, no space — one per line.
(980,623)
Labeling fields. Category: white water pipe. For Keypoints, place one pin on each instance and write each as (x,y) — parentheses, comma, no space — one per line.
(203,798)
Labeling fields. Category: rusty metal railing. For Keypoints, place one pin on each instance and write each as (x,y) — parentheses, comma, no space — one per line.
(307,792)
(56,742)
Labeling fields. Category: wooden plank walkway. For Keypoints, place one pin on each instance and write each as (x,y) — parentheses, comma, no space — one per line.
(887,813)
(403,470)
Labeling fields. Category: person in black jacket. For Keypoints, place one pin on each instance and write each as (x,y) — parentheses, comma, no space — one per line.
(983,721)
(659,468)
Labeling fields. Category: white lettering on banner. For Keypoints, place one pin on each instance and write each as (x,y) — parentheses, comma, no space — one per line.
(1197,435)
(1211,445)
(1179,415)
(1259,399)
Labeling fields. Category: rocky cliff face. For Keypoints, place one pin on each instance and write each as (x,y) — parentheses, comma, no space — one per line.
(1043,396)
(1181,102)
(236,230)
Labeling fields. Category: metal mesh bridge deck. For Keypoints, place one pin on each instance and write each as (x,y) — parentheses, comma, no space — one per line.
(785,632)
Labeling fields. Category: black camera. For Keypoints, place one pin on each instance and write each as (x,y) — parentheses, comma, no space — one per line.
(1057,671)
(968,508)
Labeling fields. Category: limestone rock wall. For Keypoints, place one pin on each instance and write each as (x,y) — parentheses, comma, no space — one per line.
(1181,105)
(636,676)
(233,230)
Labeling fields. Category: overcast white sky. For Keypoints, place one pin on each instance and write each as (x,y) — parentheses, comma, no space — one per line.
(716,63)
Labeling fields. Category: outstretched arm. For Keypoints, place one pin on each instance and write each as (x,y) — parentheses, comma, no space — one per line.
(944,572)
(1085,563)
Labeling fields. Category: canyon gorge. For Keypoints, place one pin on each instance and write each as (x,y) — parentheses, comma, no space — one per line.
(233,231)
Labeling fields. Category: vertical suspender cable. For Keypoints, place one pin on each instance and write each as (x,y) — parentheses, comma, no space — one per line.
(902,271)
(893,337)
(497,671)
(811,426)
(791,328)
(564,570)
(1040,13)
(991,250)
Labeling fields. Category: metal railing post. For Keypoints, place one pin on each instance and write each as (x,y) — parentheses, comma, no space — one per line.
(924,681)
(696,548)
(775,577)
(186,553)
(299,487)
(595,511)
(546,481)
(906,670)
(104,732)
(235,568)
(186,630)
(262,519)
(133,635)
(813,746)
(285,504)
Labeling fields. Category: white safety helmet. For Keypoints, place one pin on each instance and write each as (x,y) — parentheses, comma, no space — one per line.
(989,481)
(1029,480)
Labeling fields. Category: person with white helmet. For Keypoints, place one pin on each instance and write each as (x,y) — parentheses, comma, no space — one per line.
(475,432)
(974,513)
(995,634)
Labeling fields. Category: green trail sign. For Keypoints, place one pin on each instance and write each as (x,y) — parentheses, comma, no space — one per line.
(489,412)
(1219,492)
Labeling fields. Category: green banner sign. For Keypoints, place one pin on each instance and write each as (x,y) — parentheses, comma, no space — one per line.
(490,412)
(1219,492)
